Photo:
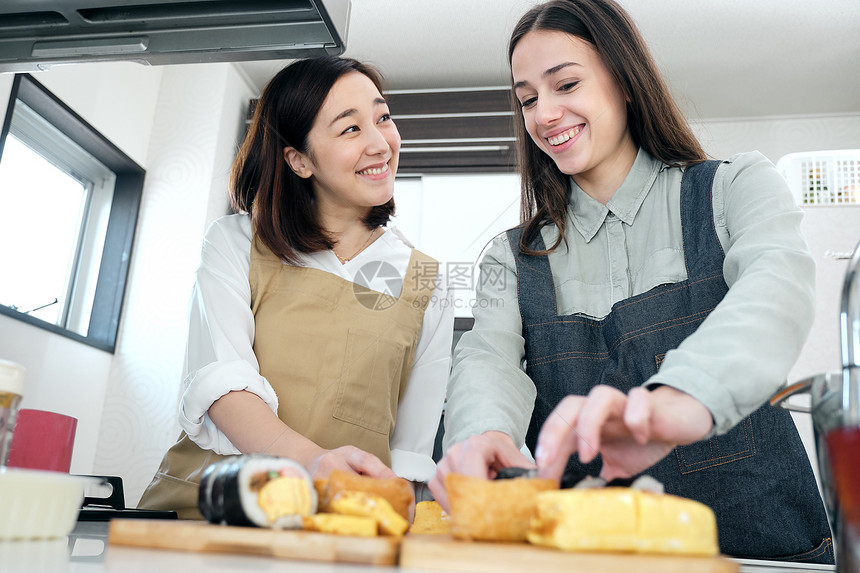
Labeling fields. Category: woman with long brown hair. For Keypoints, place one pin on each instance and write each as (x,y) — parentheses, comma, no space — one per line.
(648,306)
(315,333)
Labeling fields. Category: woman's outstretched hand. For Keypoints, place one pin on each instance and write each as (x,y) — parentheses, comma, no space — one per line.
(350,459)
(631,432)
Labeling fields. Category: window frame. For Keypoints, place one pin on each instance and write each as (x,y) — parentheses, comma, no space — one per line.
(122,221)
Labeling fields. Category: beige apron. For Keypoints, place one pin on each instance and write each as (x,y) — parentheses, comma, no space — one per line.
(338,356)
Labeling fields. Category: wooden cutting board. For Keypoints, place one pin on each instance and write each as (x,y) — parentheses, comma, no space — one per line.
(443,552)
(286,544)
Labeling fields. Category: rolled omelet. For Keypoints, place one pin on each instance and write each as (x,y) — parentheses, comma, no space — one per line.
(286,496)
(397,491)
(601,519)
(341,524)
(672,524)
(623,519)
(363,504)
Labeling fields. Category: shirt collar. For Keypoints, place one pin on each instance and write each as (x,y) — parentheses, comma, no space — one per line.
(587,214)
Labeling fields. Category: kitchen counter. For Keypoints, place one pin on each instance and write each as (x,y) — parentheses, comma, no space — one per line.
(86,550)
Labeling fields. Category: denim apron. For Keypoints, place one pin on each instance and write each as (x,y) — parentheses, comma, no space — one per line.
(757,477)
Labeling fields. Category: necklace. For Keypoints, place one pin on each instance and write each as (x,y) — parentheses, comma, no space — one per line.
(344,260)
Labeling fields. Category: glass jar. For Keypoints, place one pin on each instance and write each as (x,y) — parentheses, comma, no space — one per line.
(11,387)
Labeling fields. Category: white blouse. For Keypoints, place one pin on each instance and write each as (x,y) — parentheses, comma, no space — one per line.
(220,356)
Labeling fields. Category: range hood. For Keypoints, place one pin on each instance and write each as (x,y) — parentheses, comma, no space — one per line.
(38,34)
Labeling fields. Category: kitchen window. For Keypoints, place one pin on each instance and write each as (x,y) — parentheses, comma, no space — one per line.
(71,200)
(475,208)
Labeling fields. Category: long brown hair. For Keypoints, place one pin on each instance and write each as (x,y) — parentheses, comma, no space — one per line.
(655,121)
(282,205)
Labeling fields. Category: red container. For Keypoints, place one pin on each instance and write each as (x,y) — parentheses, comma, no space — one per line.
(42,441)
(843,450)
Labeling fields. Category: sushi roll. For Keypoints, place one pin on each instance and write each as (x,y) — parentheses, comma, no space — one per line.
(257,490)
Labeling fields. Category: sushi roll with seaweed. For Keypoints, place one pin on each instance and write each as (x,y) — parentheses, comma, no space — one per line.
(256,489)
(210,496)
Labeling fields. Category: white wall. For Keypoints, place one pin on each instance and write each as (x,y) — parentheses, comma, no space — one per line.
(778,136)
(5,88)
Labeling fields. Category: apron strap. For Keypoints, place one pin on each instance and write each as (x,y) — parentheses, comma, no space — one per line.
(703,254)
(535,286)
(422,277)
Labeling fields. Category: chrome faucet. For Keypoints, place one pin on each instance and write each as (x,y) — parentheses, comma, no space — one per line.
(849,319)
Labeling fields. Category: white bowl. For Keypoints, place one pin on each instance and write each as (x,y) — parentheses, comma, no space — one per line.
(37,504)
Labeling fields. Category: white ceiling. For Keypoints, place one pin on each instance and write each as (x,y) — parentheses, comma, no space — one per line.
(722,58)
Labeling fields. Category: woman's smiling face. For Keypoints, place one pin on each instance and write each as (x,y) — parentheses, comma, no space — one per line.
(353,147)
(572,107)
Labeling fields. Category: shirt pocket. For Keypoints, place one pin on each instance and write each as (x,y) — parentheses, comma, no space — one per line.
(737,444)
(660,267)
(372,366)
